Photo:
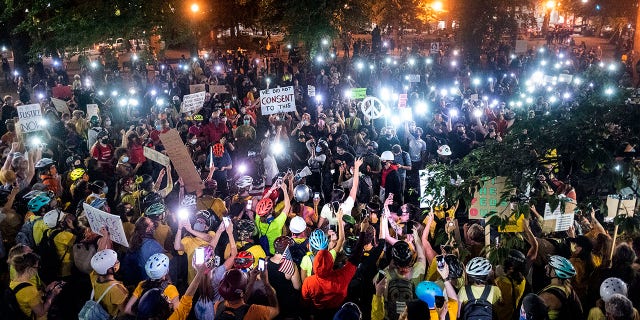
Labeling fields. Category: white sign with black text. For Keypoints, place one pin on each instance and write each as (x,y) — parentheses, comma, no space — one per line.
(277,100)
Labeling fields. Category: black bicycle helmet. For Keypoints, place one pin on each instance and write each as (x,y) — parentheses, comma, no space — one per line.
(402,254)
(350,245)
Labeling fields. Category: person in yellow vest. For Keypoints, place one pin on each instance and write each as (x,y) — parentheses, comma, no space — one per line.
(560,271)
(198,236)
(105,264)
(33,303)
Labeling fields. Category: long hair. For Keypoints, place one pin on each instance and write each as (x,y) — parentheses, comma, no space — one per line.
(139,234)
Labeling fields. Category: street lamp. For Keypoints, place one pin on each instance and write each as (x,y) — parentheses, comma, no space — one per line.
(195,8)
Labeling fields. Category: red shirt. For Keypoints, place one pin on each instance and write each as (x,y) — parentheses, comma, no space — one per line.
(102,153)
(155,134)
(214,132)
(136,154)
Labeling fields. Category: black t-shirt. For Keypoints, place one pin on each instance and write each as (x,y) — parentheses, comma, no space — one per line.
(288,297)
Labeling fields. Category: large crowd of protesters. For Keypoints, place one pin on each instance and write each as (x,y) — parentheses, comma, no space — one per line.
(312,214)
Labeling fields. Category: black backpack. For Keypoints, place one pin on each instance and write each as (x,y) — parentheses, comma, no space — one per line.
(399,292)
(50,261)
(477,309)
(571,305)
(225,313)
(9,307)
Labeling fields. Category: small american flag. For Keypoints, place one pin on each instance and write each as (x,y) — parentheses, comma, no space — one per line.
(286,265)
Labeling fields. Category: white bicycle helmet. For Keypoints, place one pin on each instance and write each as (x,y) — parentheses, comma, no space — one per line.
(52,218)
(297,225)
(157,266)
(611,286)
(387,156)
(245,182)
(43,163)
(479,267)
(104,260)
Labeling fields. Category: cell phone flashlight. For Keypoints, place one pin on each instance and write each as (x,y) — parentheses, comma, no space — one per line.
(199,255)
(316,195)
(249,204)
(261,264)
(183,214)
(226,221)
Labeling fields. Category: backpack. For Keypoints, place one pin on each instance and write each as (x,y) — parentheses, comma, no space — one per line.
(9,306)
(365,190)
(92,310)
(25,235)
(477,308)
(399,292)
(226,313)
(50,262)
(571,305)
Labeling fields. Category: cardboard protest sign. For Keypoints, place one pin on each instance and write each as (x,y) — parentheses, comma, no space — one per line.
(413,77)
(521,46)
(92,110)
(61,92)
(195,88)
(474,97)
(192,102)
(555,220)
(435,47)
(60,105)
(30,118)
(99,219)
(156,156)
(487,199)
(181,159)
(359,93)
(311,91)
(277,100)
(615,206)
(548,79)
(513,225)
(218,89)
(565,78)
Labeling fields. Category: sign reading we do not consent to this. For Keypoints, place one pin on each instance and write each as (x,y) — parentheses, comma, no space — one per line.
(277,100)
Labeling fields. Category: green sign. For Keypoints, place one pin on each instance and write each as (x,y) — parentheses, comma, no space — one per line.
(359,93)
(487,198)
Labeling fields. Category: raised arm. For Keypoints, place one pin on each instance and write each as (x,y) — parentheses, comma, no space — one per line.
(429,253)
(356,178)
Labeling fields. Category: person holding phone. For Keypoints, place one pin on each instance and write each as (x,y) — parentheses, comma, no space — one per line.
(198,235)
(287,285)
(236,288)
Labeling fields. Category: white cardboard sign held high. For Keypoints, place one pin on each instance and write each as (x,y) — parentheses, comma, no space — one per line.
(193,102)
(30,118)
(99,219)
(277,100)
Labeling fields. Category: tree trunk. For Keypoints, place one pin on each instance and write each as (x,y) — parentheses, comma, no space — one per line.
(21,44)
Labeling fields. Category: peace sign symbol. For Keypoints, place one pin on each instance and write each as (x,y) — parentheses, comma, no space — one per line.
(372,107)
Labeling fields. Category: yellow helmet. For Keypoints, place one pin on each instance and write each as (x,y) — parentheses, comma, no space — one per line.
(76,174)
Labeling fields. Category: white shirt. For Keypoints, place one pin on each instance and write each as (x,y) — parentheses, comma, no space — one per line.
(327,211)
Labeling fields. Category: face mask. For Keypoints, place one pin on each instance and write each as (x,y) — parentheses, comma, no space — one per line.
(200,227)
(107,123)
(318,149)
(246,122)
(389,135)
(105,190)
(226,106)
(304,122)
(194,141)
(352,115)
(158,127)
(105,140)
(125,159)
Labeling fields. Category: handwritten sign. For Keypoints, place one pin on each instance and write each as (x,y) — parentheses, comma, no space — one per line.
(218,89)
(60,105)
(413,77)
(92,110)
(193,102)
(311,91)
(402,100)
(565,78)
(615,206)
(277,100)
(30,118)
(178,153)
(435,47)
(359,93)
(195,88)
(555,220)
(156,156)
(487,199)
(61,92)
(99,219)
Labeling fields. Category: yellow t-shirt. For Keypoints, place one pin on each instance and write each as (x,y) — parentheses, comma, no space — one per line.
(114,298)
(190,243)
(307,265)
(509,304)
(38,229)
(494,294)
(35,280)
(64,242)
(162,233)
(452,305)
(170,291)
(28,298)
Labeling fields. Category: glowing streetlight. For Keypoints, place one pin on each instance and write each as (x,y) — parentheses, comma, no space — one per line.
(437,6)
(195,8)
(550,4)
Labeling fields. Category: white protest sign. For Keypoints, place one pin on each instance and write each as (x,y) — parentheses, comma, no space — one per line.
(98,219)
(435,47)
(556,221)
(195,88)
(474,97)
(521,46)
(413,77)
(60,105)
(277,100)
(30,118)
(311,91)
(218,89)
(565,78)
(92,110)
(156,156)
(193,102)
